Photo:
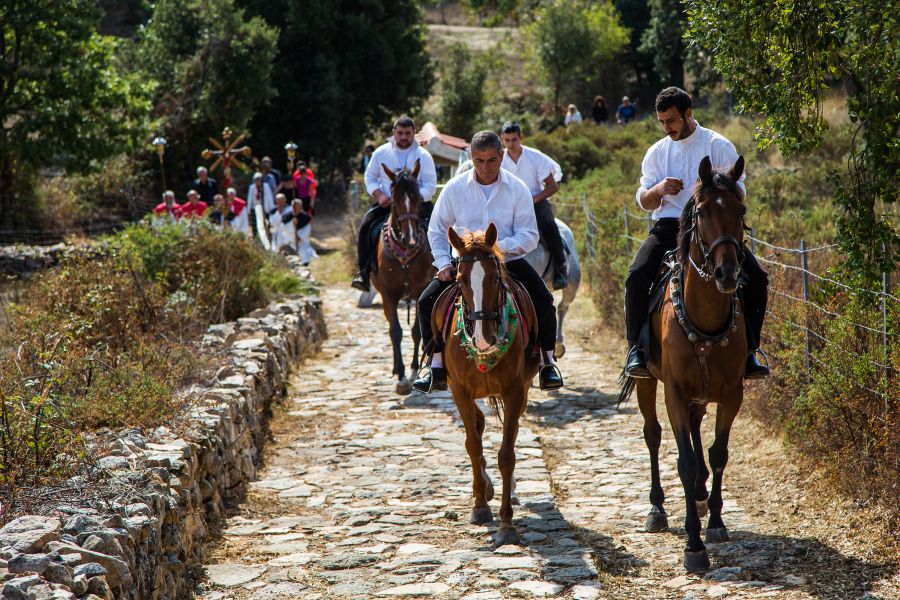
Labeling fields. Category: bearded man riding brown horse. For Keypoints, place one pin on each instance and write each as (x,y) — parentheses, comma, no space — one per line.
(470,202)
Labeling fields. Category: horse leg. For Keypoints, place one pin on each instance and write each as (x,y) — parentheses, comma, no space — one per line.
(513,406)
(718,458)
(657,520)
(390,312)
(482,488)
(561,309)
(695,557)
(696,413)
(417,338)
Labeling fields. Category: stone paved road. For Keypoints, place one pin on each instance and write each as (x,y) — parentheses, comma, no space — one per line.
(366,494)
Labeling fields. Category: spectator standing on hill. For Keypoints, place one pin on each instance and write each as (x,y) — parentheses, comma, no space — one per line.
(287,187)
(572,115)
(260,193)
(206,186)
(271,176)
(305,186)
(599,112)
(168,211)
(626,111)
(366,157)
(194,208)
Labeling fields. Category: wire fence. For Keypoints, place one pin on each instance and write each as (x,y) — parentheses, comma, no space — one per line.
(798,292)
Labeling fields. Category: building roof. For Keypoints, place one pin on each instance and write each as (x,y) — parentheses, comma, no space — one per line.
(441,145)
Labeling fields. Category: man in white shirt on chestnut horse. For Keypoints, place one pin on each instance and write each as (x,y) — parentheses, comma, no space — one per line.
(668,174)
(470,202)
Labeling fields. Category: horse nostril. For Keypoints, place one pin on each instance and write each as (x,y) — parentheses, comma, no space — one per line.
(720,274)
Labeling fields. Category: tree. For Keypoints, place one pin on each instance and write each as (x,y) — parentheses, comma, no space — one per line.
(343,67)
(570,41)
(63,101)
(462,86)
(213,68)
(663,40)
(779,59)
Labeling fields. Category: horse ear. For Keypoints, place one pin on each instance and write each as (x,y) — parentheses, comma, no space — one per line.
(490,236)
(737,170)
(388,172)
(705,171)
(415,171)
(455,240)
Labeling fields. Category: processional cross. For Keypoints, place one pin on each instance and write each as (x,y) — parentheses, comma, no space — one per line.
(226,153)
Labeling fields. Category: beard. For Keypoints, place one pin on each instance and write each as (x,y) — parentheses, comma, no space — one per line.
(404,144)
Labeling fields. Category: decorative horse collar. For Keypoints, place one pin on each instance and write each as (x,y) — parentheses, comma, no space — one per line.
(509,323)
(395,246)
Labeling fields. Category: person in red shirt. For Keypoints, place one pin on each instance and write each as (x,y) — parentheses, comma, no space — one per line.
(168,211)
(194,207)
(305,187)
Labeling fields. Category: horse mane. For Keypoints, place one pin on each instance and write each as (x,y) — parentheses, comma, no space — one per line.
(719,182)
(474,242)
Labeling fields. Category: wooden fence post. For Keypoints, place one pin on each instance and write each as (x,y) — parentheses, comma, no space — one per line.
(804,264)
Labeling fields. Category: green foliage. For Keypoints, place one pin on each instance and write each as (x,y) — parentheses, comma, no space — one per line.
(107,338)
(63,101)
(570,42)
(781,64)
(212,66)
(663,41)
(342,69)
(462,97)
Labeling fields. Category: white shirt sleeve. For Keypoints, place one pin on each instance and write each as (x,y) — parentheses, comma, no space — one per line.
(724,155)
(550,167)
(525,232)
(374,173)
(651,174)
(427,175)
(268,198)
(441,220)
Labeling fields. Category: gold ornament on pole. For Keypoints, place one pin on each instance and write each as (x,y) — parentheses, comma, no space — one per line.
(160,143)
(291,149)
(227,153)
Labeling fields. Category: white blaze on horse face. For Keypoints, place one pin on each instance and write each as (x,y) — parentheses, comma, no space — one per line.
(477,282)
(409,223)
(720,201)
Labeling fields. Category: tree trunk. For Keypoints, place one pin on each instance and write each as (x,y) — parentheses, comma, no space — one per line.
(7,185)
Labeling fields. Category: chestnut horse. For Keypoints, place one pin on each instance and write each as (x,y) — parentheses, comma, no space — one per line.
(403,263)
(698,350)
(488,354)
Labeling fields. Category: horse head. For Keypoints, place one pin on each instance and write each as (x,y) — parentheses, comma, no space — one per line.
(480,278)
(713,224)
(405,202)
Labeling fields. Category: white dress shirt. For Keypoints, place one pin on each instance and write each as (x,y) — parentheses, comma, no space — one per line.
(462,205)
(533,167)
(396,159)
(681,159)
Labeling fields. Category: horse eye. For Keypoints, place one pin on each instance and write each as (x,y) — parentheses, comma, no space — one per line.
(700,212)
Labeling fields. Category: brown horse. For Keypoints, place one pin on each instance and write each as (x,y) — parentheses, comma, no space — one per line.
(488,354)
(698,351)
(403,260)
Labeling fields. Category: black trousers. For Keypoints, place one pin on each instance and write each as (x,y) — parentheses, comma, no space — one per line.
(662,238)
(550,233)
(375,214)
(522,272)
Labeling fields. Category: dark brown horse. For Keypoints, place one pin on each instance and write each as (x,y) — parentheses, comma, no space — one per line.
(403,260)
(488,354)
(698,351)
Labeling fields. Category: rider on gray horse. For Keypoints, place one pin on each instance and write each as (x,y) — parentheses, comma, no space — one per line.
(400,152)
(541,174)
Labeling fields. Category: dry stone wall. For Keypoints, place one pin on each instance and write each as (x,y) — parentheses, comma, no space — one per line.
(166,490)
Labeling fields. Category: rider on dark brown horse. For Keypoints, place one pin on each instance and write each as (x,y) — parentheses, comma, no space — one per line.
(541,174)
(399,153)
(668,173)
(470,202)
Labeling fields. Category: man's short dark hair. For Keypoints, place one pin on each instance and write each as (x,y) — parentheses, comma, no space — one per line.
(486,140)
(511,127)
(404,121)
(673,96)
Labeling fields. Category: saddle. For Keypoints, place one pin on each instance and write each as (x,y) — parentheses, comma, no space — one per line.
(441,316)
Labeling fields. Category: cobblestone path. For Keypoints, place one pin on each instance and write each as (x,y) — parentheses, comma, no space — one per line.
(366,494)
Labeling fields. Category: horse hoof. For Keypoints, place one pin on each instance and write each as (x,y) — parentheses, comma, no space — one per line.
(403,388)
(514,500)
(481,515)
(506,536)
(696,562)
(656,521)
(559,351)
(488,486)
(702,508)
(716,534)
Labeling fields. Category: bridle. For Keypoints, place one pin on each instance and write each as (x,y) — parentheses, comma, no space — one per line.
(398,218)
(706,268)
(485,315)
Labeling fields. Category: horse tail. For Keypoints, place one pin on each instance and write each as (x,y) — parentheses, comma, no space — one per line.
(626,386)
(496,404)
